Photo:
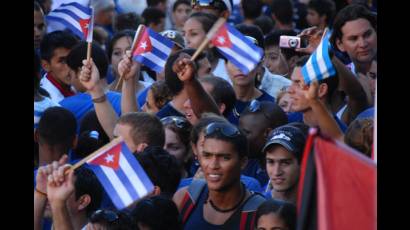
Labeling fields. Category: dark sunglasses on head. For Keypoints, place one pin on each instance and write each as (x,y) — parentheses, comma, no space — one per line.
(225,129)
(255,106)
(104,215)
(179,122)
(209,3)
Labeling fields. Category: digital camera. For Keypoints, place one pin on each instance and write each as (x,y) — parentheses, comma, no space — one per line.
(290,42)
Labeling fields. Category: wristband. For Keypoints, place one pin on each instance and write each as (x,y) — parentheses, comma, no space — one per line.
(100,99)
(40,192)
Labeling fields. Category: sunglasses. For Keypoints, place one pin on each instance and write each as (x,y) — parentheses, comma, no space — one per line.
(255,106)
(209,3)
(179,122)
(104,215)
(225,129)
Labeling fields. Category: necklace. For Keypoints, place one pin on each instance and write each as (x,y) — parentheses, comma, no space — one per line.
(243,193)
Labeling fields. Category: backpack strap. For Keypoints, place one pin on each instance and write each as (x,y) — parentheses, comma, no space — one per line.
(249,211)
(190,198)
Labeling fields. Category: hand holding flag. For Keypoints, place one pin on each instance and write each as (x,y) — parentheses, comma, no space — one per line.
(319,66)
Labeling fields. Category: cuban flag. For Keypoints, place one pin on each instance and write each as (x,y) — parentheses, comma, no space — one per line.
(319,66)
(237,48)
(152,49)
(73,16)
(121,175)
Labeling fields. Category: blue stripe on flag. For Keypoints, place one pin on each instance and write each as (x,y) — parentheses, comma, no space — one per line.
(244,54)
(112,193)
(305,75)
(86,10)
(67,24)
(329,65)
(234,61)
(315,65)
(159,54)
(239,35)
(38,113)
(138,168)
(149,63)
(127,183)
(68,13)
(160,38)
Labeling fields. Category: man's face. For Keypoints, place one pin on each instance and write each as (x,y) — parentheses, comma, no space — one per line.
(359,40)
(220,163)
(285,102)
(39,28)
(193,33)
(124,130)
(297,94)
(121,45)
(58,66)
(174,145)
(105,17)
(180,15)
(254,126)
(275,61)
(271,221)
(282,167)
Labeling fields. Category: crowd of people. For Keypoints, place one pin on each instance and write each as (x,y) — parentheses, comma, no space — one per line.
(222,148)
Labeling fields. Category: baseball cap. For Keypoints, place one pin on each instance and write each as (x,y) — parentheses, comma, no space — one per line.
(214,3)
(290,137)
(175,36)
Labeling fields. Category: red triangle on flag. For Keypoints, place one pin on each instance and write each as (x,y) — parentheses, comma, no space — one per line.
(221,38)
(85,24)
(110,158)
(143,44)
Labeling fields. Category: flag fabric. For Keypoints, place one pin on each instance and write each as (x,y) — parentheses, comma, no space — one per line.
(319,65)
(152,49)
(238,49)
(337,187)
(121,175)
(72,16)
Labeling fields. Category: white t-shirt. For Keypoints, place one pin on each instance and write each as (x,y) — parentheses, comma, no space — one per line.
(55,94)
(272,83)
(220,70)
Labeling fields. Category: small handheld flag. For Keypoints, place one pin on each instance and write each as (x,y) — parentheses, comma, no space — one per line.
(152,49)
(123,178)
(319,66)
(237,48)
(75,17)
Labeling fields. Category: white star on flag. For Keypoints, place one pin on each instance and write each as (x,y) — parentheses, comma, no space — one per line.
(109,158)
(221,39)
(143,45)
(86,26)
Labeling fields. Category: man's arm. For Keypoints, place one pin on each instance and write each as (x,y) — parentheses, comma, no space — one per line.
(90,78)
(357,98)
(326,121)
(201,101)
(130,70)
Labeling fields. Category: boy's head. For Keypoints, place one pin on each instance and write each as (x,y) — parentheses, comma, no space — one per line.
(320,12)
(39,25)
(219,8)
(75,61)
(54,49)
(154,19)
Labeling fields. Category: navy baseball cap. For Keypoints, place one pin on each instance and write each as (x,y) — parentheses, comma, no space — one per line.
(290,137)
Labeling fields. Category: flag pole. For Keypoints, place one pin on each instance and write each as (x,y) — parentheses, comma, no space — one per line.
(90,35)
(209,36)
(136,38)
(88,51)
(102,149)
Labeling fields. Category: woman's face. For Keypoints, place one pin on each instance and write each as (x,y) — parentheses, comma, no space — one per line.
(149,105)
(174,145)
(180,15)
(121,45)
(193,33)
(271,221)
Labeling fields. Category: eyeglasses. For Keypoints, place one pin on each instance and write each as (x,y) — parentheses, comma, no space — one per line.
(179,122)
(104,215)
(225,129)
(255,106)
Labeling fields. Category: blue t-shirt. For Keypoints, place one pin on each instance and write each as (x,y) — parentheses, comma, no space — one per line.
(250,183)
(81,103)
(254,170)
(368,113)
(234,115)
(168,110)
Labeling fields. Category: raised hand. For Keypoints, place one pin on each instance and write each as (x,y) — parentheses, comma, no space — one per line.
(127,68)
(314,36)
(89,75)
(44,171)
(60,184)
(184,67)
